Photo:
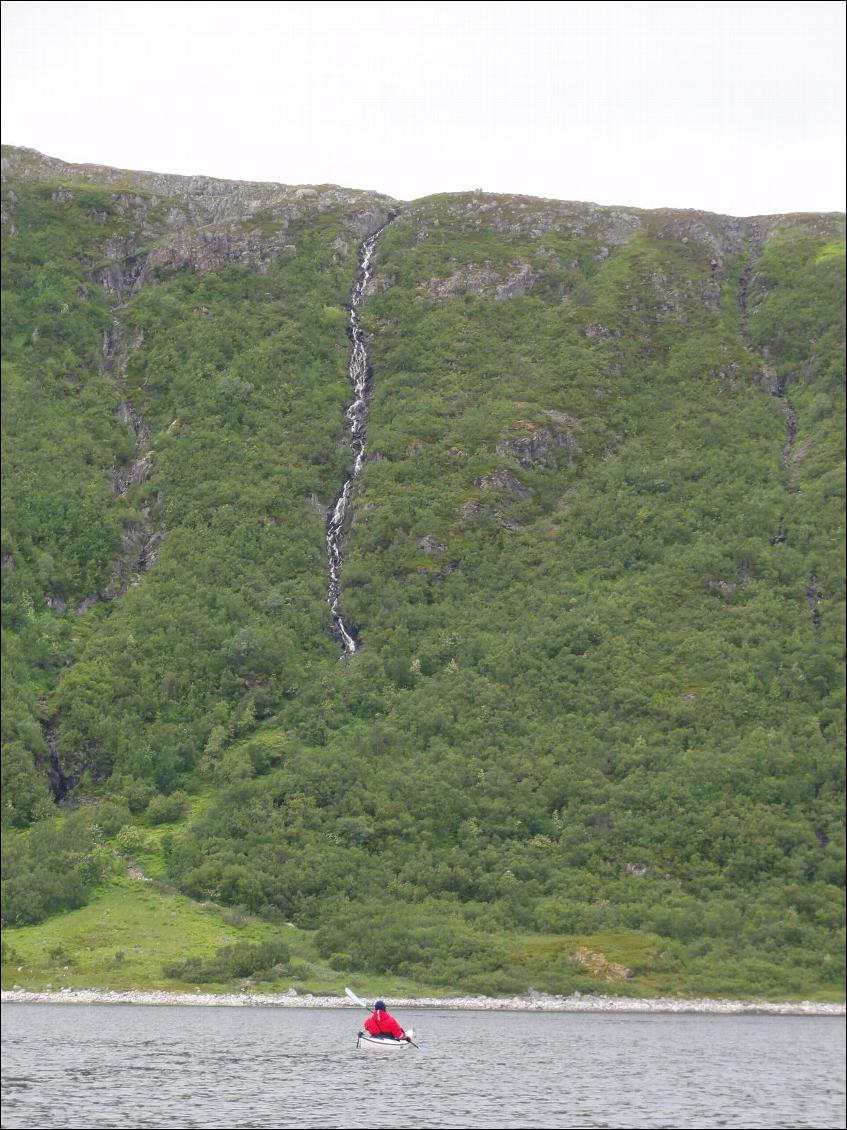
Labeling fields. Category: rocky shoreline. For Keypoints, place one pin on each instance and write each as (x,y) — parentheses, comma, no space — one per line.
(530,1002)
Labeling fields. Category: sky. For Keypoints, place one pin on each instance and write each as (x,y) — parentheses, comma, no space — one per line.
(736,108)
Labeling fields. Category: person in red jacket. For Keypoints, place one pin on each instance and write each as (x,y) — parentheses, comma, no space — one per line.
(382,1023)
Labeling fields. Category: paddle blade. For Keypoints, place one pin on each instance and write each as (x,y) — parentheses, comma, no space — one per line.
(354,998)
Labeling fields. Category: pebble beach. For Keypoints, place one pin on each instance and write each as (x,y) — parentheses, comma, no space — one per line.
(530,1002)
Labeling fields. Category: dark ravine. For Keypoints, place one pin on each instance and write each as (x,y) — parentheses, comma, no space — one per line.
(60,783)
(814,596)
(140,539)
(359,374)
(777,387)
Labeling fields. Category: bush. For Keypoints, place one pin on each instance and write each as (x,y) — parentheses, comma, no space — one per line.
(52,867)
(138,796)
(112,816)
(130,839)
(166,809)
(265,960)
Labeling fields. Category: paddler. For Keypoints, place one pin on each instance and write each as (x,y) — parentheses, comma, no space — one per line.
(382,1023)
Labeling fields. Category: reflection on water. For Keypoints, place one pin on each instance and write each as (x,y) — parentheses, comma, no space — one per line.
(130,1066)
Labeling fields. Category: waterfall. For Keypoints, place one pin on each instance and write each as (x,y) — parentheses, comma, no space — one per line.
(359,373)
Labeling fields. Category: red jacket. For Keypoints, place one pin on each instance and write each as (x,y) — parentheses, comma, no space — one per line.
(383,1024)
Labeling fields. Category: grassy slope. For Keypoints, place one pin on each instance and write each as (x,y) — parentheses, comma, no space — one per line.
(133,926)
(599,710)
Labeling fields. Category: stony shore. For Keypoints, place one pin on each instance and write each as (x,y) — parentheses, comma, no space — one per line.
(531,1002)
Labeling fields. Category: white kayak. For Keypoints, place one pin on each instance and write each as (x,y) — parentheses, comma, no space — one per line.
(365,1042)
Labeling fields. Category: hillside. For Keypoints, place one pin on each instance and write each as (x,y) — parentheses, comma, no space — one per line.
(592,731)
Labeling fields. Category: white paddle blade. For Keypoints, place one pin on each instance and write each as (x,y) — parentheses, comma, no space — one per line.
(354,998)
(410,1033)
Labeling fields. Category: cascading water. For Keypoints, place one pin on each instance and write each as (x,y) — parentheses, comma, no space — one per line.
(359,373)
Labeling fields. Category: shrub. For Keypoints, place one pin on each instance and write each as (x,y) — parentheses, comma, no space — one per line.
(244,959)
(166,809)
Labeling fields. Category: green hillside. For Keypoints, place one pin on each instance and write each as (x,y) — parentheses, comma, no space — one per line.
(594,730)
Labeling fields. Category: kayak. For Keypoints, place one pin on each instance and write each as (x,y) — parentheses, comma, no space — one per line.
(365,1042)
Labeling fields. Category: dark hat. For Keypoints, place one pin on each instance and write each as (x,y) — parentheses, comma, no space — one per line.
(379,1006)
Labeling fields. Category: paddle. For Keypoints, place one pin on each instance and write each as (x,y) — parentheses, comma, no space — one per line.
(362,1004)
(355,999)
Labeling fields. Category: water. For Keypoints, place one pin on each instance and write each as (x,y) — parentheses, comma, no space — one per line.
(131,1066)
(358,371)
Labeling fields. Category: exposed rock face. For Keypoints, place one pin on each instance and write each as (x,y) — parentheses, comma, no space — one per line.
(639,870)
(503,489)
(320,509)
(203,251)
(430,544)
(599,965)
(378,284)
(529,216)
(537,447)
(200,223)
(814,596)
(505,483)
(519,278)
(217,200)
(140,468)
(723,235)
(141,542)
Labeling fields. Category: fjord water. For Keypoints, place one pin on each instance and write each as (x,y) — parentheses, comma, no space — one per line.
(131,1066)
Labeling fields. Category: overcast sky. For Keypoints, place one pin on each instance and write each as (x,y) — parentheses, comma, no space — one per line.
(730,107)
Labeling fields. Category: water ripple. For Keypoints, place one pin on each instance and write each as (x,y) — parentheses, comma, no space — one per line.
(128,1066)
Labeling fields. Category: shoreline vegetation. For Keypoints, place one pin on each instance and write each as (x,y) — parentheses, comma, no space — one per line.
(531,1002)
(593,738)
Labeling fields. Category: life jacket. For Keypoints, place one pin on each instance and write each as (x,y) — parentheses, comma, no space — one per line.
(381,1023)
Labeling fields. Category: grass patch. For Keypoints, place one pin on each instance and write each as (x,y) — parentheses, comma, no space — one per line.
(121,940)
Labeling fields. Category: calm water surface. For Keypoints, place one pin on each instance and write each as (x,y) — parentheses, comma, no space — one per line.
(131,1066)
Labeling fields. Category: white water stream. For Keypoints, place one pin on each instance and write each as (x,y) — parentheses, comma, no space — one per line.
(358,371)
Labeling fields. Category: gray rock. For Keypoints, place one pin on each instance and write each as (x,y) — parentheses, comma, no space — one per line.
(485,279)
(506,483)
(430,544)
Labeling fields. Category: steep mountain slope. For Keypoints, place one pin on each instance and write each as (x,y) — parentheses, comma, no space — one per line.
(594,561)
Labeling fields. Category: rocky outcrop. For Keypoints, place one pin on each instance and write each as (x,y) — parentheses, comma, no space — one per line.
(498,491)
(722,236)
(430,544)
(193,200)
(195,222)
(778,388)
(538,446)
(498,283)
(814,596)
(721,239)
(599,966)
(506,484)
(141,541)
(528,216)
(141,465)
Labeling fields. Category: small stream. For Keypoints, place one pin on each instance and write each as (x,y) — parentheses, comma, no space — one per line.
(359,373)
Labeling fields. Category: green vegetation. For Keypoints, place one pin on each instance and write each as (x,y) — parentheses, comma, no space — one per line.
(598,709)
(123,939)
